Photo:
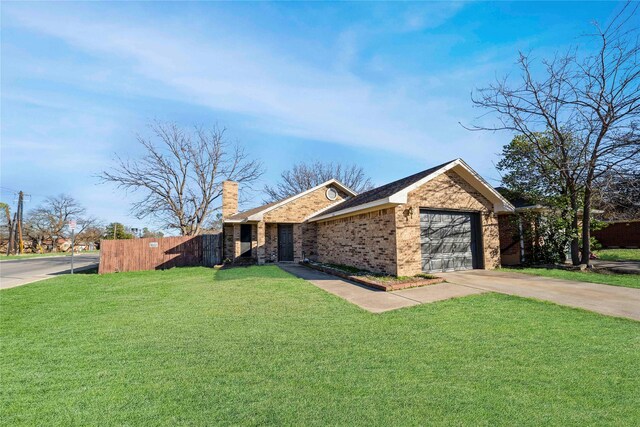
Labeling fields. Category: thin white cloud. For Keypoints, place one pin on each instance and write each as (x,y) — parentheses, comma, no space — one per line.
(284,95)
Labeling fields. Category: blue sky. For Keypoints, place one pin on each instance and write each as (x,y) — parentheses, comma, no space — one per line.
(383,85)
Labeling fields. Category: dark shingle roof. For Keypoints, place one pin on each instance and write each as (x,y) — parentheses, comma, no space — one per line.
(517,200)
(246,214)
(383,191)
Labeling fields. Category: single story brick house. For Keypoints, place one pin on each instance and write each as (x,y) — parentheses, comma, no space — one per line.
(441,219)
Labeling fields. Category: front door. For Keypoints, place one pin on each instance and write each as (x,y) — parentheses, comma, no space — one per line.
(245,240)
(285,242)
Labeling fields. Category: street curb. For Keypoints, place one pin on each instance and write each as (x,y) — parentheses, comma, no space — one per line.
(34,257)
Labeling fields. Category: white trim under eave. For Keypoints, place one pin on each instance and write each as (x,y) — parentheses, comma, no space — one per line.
(238,221)
(318,212)
(233,221)
(375,205)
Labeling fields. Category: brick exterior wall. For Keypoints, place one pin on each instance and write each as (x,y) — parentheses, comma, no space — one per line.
(366,241)
(301,208)
(509,240)
(310,240)
(620,234)
(254,240)
(388,241)
(271,242)
(232,244)
(264,235)
(445,192)
(509,234)
(296,211)
(490,240)
(228,247)
(236,241)
(260,241)
(229,198)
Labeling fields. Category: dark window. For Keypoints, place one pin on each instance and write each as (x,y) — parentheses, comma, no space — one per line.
(245,240)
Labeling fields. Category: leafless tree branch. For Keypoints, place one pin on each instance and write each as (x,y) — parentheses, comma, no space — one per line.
(593,98)
(180,177)
(303,176)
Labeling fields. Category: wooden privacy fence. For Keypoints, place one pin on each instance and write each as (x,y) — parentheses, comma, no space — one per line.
(619,234)
(160,253)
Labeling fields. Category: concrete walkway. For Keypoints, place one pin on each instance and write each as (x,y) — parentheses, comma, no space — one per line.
(605,299)
(377,301)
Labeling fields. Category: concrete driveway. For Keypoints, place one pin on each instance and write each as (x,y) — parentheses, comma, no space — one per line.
(375,300)
(22,271)
(605,299)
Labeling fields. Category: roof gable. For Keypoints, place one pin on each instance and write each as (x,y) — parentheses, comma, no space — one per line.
(396,192)
(257,214)
(383,191)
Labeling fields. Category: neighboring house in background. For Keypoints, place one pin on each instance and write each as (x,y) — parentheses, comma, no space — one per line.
(515,248)
(520,239)
(441,219)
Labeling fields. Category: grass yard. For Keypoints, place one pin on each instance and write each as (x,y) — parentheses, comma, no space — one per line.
(626,280)
(256,346)
(619,254)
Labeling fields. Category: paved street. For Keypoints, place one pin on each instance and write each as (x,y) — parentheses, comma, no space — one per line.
(22,271)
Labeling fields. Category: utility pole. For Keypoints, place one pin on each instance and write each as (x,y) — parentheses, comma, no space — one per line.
(16,240)
(20,215)
(12,234)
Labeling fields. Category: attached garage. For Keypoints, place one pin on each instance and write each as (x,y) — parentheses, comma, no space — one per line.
(450,240)
(441,219)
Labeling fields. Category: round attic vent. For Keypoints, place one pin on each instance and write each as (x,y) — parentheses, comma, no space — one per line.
(331,193)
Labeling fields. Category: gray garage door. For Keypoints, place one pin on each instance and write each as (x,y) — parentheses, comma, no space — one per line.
(447,240)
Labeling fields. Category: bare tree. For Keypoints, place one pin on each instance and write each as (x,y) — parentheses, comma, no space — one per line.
(50,219)
(594,98)
(90,233)
(303,176)
(180,176)
(618,195)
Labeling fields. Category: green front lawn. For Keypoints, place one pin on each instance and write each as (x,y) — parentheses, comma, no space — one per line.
(618,254)
(256,346)
(626,280)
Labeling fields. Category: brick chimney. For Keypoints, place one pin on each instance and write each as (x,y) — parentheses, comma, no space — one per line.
(229,198)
